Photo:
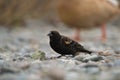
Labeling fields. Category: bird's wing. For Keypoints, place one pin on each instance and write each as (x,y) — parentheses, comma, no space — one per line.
(66,40)
(70,43)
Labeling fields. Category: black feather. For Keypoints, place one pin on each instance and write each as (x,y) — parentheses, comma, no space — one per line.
(64,45)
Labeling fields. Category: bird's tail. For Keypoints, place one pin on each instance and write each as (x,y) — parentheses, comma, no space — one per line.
(86,51)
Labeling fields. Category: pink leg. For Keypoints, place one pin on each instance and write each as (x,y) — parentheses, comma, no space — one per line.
(76,36)
(103,30)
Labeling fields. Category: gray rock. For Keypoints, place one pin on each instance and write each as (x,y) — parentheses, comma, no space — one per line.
(81,57)
(6,68)
(93,58)
(91,68)
(38,55)
(116,63)
(116,75)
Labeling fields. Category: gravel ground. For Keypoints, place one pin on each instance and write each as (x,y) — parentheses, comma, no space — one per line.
(25,54)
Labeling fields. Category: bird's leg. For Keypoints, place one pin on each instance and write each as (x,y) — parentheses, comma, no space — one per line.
(76,36)
(103,30)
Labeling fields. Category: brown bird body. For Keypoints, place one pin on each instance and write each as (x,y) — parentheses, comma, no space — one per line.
(64,45)
(85,14)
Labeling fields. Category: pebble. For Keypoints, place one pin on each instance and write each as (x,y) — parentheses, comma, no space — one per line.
(38,55)
(91,68)
(81,57)
(93,58)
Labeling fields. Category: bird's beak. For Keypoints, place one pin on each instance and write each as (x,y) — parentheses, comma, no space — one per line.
(49,34)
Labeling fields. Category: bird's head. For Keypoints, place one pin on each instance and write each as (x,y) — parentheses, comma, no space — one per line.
(54,35)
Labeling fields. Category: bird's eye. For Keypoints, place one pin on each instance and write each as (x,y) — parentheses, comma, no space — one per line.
(52,33)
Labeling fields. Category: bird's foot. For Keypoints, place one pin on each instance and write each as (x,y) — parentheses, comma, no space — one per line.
(76,35)
(104,33)
(101,39)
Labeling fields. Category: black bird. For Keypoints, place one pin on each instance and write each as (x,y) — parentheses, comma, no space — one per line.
(64,45)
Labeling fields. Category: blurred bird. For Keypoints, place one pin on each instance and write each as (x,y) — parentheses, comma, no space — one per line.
(64,45)
(85,14)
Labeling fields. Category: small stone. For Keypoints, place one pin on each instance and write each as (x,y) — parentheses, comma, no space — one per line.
(38,55)
(5,67)
(54,74)
(70,62)
(22,65)
(105,53)
(72,76)
(19,58)
(90,65)
(117,63)
(91,68)
(5,70)
(1,58)
(80,57)
(93,58)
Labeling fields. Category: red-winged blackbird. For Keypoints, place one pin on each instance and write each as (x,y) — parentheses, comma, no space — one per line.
(64,45)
